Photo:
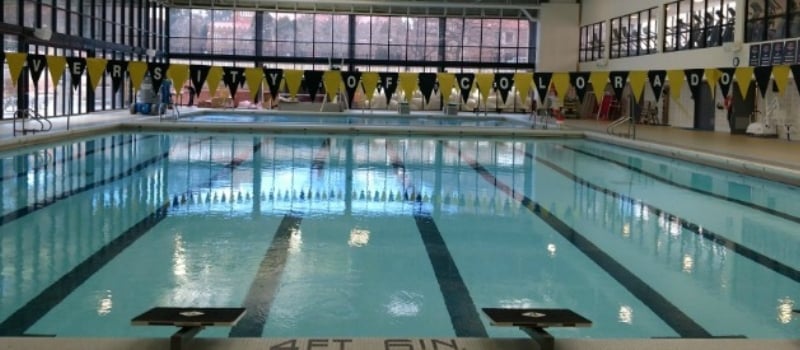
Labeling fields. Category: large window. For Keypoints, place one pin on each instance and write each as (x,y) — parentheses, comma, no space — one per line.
(212,31)
(772,19)
(697,24)
(634,34)
(592,46)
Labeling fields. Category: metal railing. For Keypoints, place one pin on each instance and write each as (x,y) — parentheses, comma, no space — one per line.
(630,132)
(28,117)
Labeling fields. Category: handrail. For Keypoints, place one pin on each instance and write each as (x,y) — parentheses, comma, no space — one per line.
(30,114)
(33,114)
(616,123)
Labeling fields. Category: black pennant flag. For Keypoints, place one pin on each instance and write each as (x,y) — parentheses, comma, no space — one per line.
(76,67)
(233,77)
(198,74)
(796,74)
(503,82)
(464,82)
(694,77)
(158,71)
(351,81)
(580,81)
(36,65)
(389,84)
(117,70)
(427,82)
(657,78)
(312,80)
(542,82)
(618,80)
(274,77)
(762,74)
(726,79)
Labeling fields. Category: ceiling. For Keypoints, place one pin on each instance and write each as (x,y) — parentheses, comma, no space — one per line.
(452,8)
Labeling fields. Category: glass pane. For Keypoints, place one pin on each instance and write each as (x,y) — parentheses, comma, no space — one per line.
(10,9)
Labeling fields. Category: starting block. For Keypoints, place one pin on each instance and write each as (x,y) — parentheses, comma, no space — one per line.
(534,321)
(191,320)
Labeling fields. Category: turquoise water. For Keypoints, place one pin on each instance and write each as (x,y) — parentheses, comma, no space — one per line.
(384,119)
(390,237)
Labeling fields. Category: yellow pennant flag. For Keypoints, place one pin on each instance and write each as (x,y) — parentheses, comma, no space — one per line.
(484,81)
(561,82)
(136,70)
(743,75)
(332,80)
(599,80)
(56,65)
(179,73)
(675,78)
(254,76)
(292,78)
(95,68)
(637,79)
(15,62)
(446,81)
(712,77)
(781,76)
(522,83)
(370,81)
(212,80)
(408,83)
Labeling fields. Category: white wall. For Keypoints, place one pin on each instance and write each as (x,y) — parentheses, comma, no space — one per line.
(559,31)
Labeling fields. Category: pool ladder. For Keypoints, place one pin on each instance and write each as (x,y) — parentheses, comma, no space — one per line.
(630,132)
(36,122)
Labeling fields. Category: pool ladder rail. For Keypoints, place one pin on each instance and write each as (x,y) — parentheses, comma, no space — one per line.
(31,117)
(630,132)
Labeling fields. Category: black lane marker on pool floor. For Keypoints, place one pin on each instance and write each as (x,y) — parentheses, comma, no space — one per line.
(746,252)
(21,212)
(460,306)
(265,284)
(17,323)
(665,180)
(663,308)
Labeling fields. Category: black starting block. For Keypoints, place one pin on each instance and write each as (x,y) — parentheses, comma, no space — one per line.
(191,320)
(534,321)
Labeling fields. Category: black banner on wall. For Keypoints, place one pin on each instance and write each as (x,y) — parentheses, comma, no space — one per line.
(657,79)
(618,79)
(694,77)
(579,80)
(389,84)
(726,80)
(117,71)
(503,82)
(198,74)
(426,81)
(311,80)
(762,75)
(273,77)
(464,82)
(76,67)
(351,81)
(233,77)
(158,71)
(36,65)
(542,82)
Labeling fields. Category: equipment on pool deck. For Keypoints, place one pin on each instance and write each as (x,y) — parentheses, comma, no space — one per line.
(192,320)
(146,98)
(534,321)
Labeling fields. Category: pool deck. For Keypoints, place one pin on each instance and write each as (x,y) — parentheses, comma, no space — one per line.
(768,151)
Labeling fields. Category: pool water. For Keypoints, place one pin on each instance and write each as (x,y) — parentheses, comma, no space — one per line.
(381,118)
(321,236)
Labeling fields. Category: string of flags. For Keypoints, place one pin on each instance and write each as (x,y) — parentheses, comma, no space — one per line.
(335,81)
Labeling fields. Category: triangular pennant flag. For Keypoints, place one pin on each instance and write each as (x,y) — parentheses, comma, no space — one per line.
(213,78)
(273,77)
(253,76)
(116,69)
(389,84)
(561,83)
(744,75)
(580,81)
(426,83)
(179,74)
(76,67)
(332,80)
(36,65)
(158,71)
(56,65)
(484,83)
(694,77)
(198,74)
(95,68)
(351,82)
(618,81)
(712,76)
(781,75)
(369,80)
(762,74)
(136,70)
(465,82)
(599,81)
(522,82)
(503,82)
(638,79)
(725,80)
(446,81)
(408,83)
(311,81)
(675,78)
(657,79)
(796,75)
(233,77)
(542,82)
(16,60)
(294,78)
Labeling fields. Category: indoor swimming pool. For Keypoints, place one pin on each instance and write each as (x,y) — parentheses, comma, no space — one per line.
(341,236)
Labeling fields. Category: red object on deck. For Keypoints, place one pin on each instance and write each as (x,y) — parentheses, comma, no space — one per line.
(605,107)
